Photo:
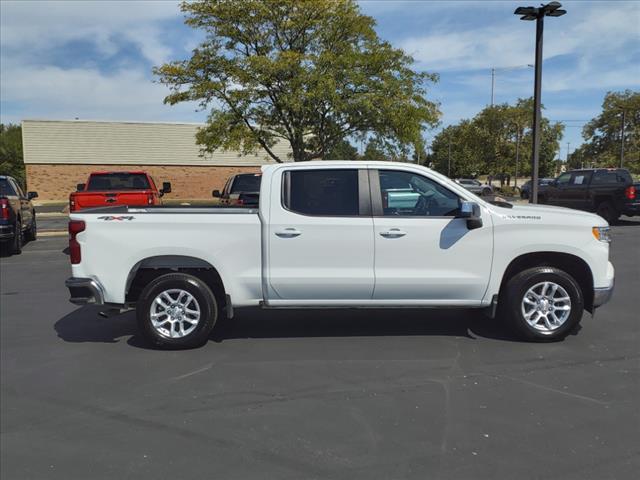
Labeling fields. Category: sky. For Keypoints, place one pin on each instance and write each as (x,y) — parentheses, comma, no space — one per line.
(93,60)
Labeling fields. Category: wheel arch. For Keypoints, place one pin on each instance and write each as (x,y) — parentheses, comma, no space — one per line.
(147,269)
(571,264)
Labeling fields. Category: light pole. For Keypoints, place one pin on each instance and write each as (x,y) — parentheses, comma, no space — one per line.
(551,9)
(622,139)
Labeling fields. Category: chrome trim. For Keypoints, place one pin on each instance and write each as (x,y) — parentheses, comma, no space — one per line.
(96,292)
(602,295)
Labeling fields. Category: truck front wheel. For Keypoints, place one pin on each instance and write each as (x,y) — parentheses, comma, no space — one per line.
(177,311)
(542,304)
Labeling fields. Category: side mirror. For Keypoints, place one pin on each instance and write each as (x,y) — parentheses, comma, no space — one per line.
(166,188)
(216,194)
(80,187)
(32,195)
(471,211)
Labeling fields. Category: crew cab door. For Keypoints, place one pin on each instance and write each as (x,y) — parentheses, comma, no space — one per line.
(320,236)
(424,254)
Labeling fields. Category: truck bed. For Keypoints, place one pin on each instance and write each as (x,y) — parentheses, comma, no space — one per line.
(118,240)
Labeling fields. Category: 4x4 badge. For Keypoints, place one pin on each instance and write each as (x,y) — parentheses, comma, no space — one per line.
(107,218)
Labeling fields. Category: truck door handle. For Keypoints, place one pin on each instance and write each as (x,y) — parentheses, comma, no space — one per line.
(289,233)
(393,233)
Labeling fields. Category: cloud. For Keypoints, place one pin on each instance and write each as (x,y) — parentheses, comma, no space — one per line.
(34,26)
(590,31)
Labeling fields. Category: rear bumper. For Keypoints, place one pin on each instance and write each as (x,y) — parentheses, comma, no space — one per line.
(6,232)
(631,209)
(85,291)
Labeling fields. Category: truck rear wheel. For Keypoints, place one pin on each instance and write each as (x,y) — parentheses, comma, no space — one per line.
(608,211)
(177,311)
(542,304)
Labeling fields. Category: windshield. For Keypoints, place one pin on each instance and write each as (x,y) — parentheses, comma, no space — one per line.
(246,183)
(5,188)
(117,181)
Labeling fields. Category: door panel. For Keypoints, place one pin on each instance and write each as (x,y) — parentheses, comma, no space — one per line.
(426,255)
(319,247)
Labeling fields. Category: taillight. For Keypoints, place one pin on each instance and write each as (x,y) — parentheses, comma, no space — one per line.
(4,209)
(150,198)
(72,204)
(240,202)
(75,227)
(630,192)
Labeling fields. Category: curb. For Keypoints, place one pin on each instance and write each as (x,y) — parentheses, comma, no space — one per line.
(51,215)
(52,233)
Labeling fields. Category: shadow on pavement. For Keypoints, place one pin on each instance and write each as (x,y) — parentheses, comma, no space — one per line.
(85,325)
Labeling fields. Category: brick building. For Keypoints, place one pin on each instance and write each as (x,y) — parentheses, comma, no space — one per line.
(60,154)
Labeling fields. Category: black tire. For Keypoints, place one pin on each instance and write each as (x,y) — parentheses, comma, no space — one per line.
(486,192)
(524,195)
(206,301)
(608,211)
(512,297)
(32,233)
(18,239)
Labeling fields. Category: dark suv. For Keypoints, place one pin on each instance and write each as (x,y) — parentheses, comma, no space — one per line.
(610,192)
(17,215)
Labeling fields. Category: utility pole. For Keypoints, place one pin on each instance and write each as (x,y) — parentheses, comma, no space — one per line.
(449,168)
(568,145)
(551,9)
(622,139)
(493,83)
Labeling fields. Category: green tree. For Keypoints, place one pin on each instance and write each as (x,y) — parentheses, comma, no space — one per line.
(11,162)
(375,150)
(342,151)
(490,142)
(307,72)
(603,133)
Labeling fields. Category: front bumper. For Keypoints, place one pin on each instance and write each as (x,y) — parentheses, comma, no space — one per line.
(85,291)
(6,232)
(602,295)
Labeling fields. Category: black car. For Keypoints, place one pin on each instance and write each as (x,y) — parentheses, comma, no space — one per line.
(525,190)
(610,192)
(242,190)
(17,215)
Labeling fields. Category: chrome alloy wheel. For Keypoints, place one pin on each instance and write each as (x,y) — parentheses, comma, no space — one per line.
(546,306)
(174,313)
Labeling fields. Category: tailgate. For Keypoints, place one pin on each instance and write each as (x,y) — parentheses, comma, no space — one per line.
(105,199)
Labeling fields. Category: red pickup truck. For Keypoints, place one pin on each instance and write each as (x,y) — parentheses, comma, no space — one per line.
(104,189)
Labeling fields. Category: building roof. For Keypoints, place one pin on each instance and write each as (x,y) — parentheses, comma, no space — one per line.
(127,143)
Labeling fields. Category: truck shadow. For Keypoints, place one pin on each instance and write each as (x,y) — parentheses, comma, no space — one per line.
(86,325)
(257,323)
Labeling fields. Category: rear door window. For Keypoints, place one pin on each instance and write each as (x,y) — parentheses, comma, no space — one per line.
(581,178)
(329,193)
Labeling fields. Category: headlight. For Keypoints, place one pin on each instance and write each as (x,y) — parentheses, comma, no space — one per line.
(602,233)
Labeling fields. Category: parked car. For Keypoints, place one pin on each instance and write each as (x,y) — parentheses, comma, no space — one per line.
(475,186)
(117,188)
(525,190)
(610,192)
(17,215)
(240,190)
(324,237)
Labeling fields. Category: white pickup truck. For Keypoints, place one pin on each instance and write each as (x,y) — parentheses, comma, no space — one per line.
(342,234)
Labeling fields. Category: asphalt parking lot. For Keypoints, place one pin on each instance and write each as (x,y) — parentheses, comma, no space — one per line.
(329,394)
